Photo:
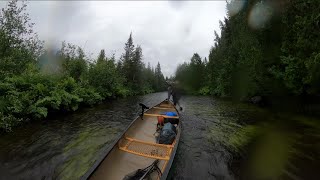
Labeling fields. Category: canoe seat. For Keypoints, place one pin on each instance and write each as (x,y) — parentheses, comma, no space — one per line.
(163,108)
(166,106)
(146,149)
(156,115)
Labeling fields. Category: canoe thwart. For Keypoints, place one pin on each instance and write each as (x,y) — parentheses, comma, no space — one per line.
(163,108)
(146,149)
(166,106)
(156,115)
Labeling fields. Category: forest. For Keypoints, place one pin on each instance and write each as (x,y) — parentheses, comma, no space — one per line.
(266,48)
(35,81)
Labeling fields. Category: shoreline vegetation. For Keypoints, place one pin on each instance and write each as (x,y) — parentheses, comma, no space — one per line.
(35,81)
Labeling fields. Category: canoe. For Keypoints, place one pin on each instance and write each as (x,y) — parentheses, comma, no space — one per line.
(137,148)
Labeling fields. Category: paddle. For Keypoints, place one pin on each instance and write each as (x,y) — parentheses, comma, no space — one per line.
(153,167)
(180,108)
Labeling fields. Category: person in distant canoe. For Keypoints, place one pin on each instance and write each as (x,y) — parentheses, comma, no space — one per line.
(169,91)
(176,97)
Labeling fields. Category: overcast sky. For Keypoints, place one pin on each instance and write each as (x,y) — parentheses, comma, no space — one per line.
(168,31)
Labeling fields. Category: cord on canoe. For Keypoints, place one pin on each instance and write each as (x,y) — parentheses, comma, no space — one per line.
(144,173)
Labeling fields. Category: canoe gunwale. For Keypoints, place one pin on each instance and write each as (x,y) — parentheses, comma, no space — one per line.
(103,154)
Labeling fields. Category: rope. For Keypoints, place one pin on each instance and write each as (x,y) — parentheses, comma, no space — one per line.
(141,174)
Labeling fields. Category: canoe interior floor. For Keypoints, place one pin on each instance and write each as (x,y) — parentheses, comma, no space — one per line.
(120,163)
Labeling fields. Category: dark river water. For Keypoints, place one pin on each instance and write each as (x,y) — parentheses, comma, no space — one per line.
(65,147)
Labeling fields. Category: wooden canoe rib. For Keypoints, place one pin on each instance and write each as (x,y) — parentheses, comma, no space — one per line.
(136,148)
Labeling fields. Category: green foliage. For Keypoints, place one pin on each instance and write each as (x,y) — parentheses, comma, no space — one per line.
(103,76)
(73,61)
(19,45)
(159,79)
(7,122)
(88,95)
(32,96)
(204,91)
(300,48)
(122,91)
(189,75)
(137,78)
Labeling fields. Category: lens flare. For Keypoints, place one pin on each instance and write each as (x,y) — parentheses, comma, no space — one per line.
(260,14)
(234,6)
(49,62)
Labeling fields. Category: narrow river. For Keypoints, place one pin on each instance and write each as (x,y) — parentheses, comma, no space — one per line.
(66,147)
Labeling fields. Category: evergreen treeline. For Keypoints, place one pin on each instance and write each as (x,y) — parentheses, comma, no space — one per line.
(34,81)
(267,48)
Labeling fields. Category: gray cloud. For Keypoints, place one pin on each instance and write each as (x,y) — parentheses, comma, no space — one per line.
(168,32)
(177,4)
